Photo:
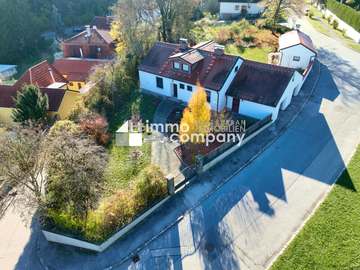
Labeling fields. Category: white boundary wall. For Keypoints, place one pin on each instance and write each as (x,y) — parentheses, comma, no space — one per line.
(65,240)
(349,31)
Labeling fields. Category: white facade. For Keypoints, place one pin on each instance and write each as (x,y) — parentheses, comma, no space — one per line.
(217,98)
(7,71)
(260,111)
(297,56)
(230,10)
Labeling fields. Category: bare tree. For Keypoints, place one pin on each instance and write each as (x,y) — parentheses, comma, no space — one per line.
(22,161)
(275,9)
(135,26)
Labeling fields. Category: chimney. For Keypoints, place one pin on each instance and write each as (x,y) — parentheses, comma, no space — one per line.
(184,44)
(219,50)
(88,30)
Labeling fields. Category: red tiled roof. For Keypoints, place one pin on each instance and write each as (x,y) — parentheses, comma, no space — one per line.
(76,69)
(41,75)
(260,83)
(97,35)
(294,38)
(8,94)
(211,71)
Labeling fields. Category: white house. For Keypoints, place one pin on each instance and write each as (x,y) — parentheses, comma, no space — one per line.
(296,50)
(259,90)
(233,9)
(173,70)
(7,71)
(242,86)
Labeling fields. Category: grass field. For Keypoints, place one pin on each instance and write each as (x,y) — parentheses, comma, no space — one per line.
(331,238)
(255,54)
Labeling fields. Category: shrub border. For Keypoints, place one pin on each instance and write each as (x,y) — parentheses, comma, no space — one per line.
(66,240)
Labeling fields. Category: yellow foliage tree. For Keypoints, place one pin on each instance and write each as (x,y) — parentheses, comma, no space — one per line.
(195,123)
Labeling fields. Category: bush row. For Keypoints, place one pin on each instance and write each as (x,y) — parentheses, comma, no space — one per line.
(114,212)
(345,13)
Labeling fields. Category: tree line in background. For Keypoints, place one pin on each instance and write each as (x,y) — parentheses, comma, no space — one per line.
(23,21)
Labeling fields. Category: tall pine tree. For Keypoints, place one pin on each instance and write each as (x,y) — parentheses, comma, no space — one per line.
(31,106)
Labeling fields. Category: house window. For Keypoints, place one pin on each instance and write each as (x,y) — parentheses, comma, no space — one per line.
(182,86)
(79,86)
(186,68)
(296,58)
(237,7)
(208,96)
(176,65)
(189,88)
(159,82)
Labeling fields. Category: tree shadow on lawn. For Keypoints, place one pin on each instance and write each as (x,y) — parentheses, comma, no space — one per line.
(296,153)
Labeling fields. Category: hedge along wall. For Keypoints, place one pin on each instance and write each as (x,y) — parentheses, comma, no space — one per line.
(345,13)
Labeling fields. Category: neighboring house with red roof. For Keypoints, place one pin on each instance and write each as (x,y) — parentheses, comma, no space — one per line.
(50,82)
(77,71)
(92,43)
(239,85)
(296,50)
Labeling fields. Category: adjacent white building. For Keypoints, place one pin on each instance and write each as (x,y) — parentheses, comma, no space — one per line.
(233,83)
(7,71)
(296,50)
(233,9)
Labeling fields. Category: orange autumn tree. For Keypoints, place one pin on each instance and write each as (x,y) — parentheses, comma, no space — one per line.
(196,118)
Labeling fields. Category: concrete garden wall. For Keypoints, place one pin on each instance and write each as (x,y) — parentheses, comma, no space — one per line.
(65,240)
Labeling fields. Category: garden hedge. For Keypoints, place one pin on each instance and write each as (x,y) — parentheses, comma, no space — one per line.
(345,13)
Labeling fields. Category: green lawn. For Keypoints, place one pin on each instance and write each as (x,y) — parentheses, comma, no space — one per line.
(255,54)
(125,163)
(331,238)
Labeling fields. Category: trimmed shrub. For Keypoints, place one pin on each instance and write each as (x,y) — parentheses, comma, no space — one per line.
(335,24)
(150,187)
(64,126)
(345,13)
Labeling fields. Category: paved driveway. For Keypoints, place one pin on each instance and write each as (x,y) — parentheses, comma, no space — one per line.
(248,221)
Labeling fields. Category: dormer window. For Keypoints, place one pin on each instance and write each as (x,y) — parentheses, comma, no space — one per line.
(176,65)
(186,68)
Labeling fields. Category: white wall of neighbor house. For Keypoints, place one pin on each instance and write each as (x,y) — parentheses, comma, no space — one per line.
(296,57)
(235,8)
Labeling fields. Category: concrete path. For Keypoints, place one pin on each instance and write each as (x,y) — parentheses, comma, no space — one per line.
(162,151)
(247,222)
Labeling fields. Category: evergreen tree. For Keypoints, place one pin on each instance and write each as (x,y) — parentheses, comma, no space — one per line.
(31,106)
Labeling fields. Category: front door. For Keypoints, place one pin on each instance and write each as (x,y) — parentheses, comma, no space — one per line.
(235,105)
(175,90)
